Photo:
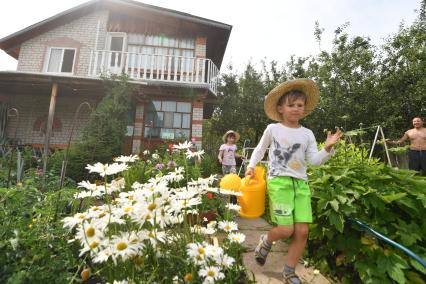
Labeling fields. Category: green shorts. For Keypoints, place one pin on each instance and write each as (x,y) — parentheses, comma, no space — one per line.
(289,200)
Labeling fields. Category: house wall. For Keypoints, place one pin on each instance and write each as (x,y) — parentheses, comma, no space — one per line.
(80,34)
(33,111)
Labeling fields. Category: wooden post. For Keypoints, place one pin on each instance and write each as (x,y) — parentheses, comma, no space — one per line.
(49,126)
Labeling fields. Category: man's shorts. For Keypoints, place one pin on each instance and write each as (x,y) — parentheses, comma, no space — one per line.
(289,200)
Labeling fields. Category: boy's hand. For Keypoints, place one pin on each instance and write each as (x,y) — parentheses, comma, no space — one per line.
(250,172)
(220,160)
(332,139)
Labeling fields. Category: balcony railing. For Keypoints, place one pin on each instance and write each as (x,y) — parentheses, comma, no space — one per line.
(153,67)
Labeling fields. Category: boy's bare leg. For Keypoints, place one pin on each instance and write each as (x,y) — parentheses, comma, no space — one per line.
(280,232)
(298,243)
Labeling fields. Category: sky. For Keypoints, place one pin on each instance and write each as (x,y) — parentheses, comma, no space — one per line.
(267,29)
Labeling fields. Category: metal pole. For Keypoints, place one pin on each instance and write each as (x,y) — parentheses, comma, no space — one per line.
(49,127)
(374,142)
(386,146)
(65,161)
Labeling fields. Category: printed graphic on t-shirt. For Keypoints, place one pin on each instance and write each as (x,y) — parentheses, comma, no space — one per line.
(281,156)
(228,154)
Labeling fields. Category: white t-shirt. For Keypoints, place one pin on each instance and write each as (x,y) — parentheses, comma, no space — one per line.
(228,158)
(290,150)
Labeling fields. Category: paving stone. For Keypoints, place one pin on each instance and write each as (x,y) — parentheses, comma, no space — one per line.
(271,272)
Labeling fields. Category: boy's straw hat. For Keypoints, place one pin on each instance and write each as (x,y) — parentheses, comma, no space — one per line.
(307,86)
(237,135)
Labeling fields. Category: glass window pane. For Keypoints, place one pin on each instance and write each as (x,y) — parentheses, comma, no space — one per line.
(152,132)
(177,120)
(181,134)
(169,106)
(117,43)
(159,119)
(186,120)
(54,60)
(183,107)
(149,120)
(168,119)
(167,133)
(68,60)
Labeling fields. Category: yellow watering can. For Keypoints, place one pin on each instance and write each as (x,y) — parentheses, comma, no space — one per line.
(231,182)
(253,200)
(253,189)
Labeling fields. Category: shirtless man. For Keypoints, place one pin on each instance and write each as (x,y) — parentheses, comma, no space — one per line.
(417,152)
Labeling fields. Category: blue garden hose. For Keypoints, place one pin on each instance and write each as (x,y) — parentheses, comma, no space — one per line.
(389,241)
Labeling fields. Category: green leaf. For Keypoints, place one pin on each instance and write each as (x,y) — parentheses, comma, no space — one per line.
(335,205)
(337,221)
(392,197)
(418,266)
(397,274)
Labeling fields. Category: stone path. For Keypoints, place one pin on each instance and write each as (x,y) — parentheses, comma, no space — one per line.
(271,272)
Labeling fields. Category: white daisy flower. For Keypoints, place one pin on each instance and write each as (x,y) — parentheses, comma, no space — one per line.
(123,247)
(234,207)
(106,169)
(127,159)
(227,261)
(237,237)
(190,154)
(228,226)
(183,146)
(70,222)
(146,152)
(211,274)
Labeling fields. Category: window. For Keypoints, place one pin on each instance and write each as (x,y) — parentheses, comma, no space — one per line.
(168,120)
(60,60)
(147,50)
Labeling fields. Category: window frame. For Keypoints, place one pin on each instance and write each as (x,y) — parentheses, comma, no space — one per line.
(153,126)
(49,53)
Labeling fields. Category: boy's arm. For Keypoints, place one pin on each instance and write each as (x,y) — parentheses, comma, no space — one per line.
(316,157)
(260,149)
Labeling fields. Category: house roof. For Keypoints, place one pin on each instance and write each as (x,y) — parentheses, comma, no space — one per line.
(215,48)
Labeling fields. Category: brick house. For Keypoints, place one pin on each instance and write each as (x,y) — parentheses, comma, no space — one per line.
(172,57)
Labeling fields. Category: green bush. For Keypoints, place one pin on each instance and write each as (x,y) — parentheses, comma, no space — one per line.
(389,200)
(33,245)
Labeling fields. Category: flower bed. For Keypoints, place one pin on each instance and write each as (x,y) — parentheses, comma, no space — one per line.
(145,224)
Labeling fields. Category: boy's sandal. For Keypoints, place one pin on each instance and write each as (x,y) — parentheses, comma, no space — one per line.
(261,252)
(292,275)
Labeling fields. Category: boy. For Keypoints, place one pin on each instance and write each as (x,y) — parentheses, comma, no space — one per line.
(290,146)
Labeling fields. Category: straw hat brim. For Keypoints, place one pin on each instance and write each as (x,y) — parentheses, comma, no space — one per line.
(237,135)
(307,86)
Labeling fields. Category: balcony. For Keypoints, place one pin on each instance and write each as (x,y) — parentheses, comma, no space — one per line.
(188,71)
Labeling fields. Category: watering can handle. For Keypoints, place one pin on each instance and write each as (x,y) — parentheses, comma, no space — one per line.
(247,180)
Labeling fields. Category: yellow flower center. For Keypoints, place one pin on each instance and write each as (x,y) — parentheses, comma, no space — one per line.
(188,277)
(102,215)
(90,232)
(152,206)
(121,246)
(81,217)
(130,197)
(93,244)
(227,228)
(96,208)
(211,273)
(128,209)
(138,260)
(201,250)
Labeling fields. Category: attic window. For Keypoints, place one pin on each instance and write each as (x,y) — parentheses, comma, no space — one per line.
(61,60)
